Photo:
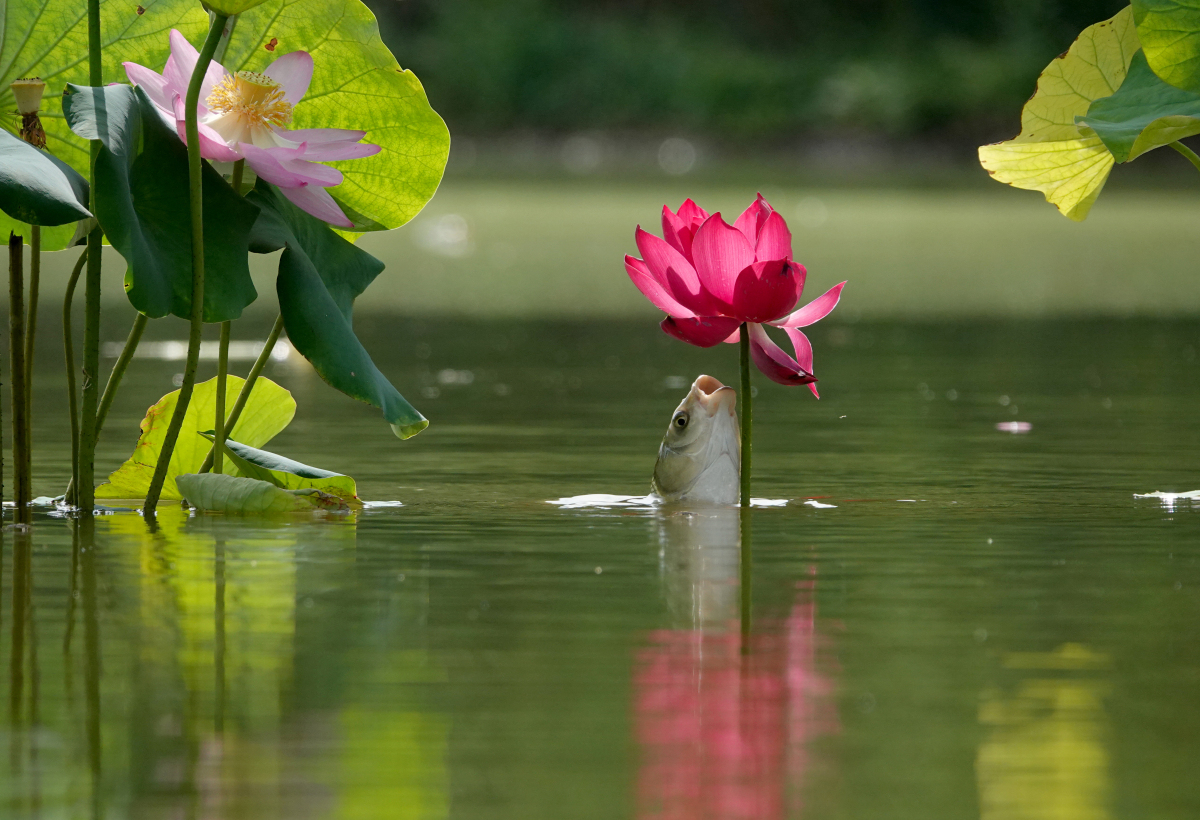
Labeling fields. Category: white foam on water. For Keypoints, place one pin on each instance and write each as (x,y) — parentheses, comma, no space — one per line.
(812,502)
(1169,500)
(606,501)
(379,505)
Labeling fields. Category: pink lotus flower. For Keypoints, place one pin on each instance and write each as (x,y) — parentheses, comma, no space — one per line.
(710,278)
(242,116)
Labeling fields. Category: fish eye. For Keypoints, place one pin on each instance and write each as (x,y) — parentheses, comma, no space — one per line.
(680,420)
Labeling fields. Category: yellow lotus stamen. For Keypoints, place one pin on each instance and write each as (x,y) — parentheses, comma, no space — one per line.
(255,97)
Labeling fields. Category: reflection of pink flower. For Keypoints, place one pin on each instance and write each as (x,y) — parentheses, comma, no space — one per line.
(724,735)
(710,277)
(241,116)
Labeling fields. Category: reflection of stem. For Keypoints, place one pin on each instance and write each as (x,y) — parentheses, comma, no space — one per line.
(247,386)
(196,197)
(746,416)
(86,493)
(219,636)
(72,398)
(91,642)
(1187,152)
(747,577)
(16,350)
(20,614)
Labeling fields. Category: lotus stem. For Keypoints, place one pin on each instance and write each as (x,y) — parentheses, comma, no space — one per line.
(118,371)
(219,421)
(197,211)
(240,403)
(72,398)
(35,279)
(85,489)
(747,417)
(16,350)
(1188,153)
(746,577)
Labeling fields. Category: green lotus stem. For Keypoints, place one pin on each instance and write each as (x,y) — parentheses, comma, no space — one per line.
(86,491)
(239,169)
(240,403)
(35,279)
(1188,153)
(72,398)
(747,418)
(219,421)
(16,351)
(192,130)
(118,371)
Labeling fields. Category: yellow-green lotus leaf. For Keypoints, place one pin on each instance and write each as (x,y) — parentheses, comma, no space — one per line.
(268,410)
(1068,163)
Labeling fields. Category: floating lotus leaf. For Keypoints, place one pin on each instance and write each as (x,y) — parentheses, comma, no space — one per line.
(287,474)
(268,410)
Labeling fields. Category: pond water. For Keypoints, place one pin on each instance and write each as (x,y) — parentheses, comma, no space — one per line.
(970,621)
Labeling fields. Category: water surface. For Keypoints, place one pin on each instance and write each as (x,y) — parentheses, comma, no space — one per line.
(978,623)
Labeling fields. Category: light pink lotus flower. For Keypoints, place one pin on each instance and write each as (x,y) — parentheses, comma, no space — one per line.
(709,277)
(242,116)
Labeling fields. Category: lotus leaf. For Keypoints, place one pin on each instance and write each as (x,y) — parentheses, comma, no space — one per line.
(249,496)
(287,474)
(1067,162)
(268,410)
(1169,31)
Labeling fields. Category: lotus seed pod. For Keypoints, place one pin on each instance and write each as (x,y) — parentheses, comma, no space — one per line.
(29,99)
(29,94)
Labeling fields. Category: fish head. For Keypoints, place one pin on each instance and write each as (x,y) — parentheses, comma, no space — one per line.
(700,455)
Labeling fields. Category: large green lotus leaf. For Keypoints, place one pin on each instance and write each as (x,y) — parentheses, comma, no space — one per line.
(142,204)
(48,39)
(1069,164)
(320,275)
(1169,31)
(285,473)
(268,410)
(37,187)
(356,84)
(1144,114)
(231,7)
(235,495)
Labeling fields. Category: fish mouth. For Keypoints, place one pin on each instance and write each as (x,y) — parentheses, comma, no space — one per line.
(713,396)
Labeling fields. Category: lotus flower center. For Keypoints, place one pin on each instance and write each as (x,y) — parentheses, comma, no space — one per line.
(255,98)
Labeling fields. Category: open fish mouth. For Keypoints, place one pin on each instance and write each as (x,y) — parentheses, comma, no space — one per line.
(713,396)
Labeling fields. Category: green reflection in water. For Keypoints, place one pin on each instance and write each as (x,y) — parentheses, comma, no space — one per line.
(1046,755)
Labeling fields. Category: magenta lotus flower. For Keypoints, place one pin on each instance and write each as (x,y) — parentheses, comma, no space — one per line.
(710,277)
(242,116)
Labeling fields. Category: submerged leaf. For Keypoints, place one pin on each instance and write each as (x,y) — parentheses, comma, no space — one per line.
(249,496)
(287,474)
(142,204)
(1170,34)
(268,410)
(320,275)
(37,187)
(1052,154)
(1144,114)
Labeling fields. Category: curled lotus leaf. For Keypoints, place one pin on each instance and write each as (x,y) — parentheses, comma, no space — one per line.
(236,495)
(1169,31)
(287,474)
(1145,113)
(1053,154)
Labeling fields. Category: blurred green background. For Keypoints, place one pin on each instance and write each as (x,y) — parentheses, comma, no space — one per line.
(758,69)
